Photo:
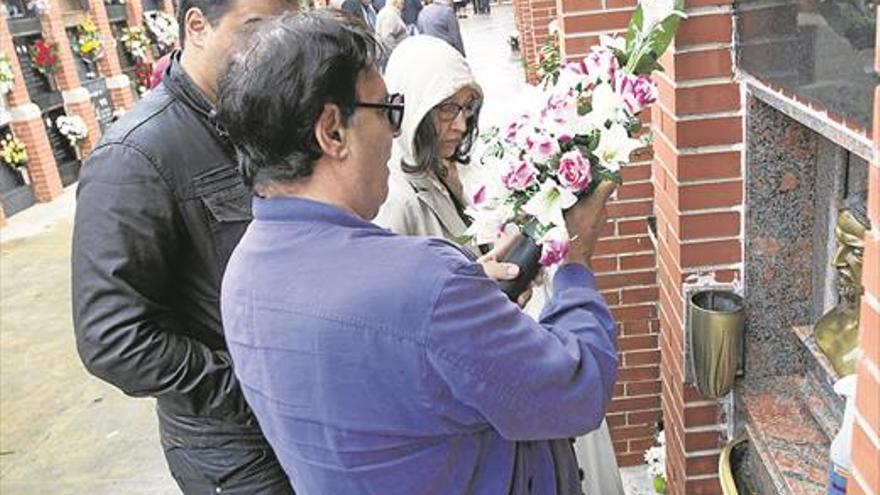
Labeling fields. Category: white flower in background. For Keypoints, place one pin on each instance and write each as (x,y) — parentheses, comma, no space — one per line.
(164,28)
(39,6)
(73,127)
(547,205)
(553,27)
(7,77)
(601,64)
(656,11)
(615,146)
(541,146)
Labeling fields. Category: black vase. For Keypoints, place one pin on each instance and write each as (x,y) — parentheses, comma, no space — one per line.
(526,254)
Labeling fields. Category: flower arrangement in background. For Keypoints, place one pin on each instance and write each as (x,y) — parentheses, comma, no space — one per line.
(578,132)
(44,55)
(655,457)
(136,42)
(72,127)
(12,151)
(164,29)
(549,57)
(141,76)
(88,41)
(41,7)
(7,77)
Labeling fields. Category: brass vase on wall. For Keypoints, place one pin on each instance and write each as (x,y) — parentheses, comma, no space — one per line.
(716,321)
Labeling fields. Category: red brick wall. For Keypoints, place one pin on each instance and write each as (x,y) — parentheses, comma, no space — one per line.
(698,178)
(532,18)
(866,431)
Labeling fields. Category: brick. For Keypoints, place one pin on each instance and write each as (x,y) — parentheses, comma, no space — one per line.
(604,264)
(703,196)
(601,21)
(623,245)
(636,403)
(711,253)
(717,28)
(701,64)
(630,432)
(867,397)
(641,295)
(711,98)
(630,209)
(617,280)
(638,417)
(703,440)
(641,444)
(639,374)
(569,6)
(629,460)
(636,171)
(866,457)
(641,358)
(635,191)
(580,45)
(643,388)
(643,327)
(637,261)
(701,416)
(614,420)
(636,342)
(642,312)
(874,183)
(709,486)
(708,225)
(703,132)
(869,332)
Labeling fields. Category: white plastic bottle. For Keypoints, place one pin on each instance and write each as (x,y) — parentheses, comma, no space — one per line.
(838,473)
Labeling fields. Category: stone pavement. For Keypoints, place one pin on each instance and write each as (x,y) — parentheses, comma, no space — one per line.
(63,431)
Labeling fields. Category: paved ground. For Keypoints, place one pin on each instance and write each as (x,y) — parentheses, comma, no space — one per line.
(65,432)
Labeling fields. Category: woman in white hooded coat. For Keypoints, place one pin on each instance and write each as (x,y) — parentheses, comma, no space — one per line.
(426,197)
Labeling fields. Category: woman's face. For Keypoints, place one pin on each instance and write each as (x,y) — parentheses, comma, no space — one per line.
(450,119)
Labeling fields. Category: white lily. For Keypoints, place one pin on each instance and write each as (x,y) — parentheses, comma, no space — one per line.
(656,11)
(547,205)
(489,223)
(606,105)
(615,146)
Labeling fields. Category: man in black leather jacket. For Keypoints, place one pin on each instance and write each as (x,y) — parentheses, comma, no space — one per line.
(160,206)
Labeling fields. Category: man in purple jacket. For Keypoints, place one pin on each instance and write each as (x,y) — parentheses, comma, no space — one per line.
(375,363)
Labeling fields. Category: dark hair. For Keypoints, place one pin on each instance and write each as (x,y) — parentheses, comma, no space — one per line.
(275,89)
(426,151)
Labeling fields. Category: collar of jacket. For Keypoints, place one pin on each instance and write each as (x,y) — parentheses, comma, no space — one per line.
(179,84)
(430,191)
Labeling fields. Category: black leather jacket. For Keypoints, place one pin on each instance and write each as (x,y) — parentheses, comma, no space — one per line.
(160,207)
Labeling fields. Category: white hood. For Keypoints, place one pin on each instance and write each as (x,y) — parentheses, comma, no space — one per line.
(426,70)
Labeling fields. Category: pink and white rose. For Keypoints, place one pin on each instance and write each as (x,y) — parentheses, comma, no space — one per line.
(574,171)
(554,246)
(637,92)
(520,176)
(541,146)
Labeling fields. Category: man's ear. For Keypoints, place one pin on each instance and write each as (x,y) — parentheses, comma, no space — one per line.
(331,134)
(197,27)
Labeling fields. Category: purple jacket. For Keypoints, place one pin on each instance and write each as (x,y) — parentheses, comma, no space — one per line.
(381,364)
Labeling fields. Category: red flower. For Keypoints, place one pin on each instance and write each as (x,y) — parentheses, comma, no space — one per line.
(44,56)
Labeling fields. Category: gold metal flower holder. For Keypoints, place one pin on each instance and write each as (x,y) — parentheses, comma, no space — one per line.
(716,320)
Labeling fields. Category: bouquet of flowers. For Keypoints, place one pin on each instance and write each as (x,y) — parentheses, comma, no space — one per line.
(7,77)
(141,76)
(164,28)
(88,41)
(45,57)
(581,131)
(73,127)
(655,457)
(136,42)
(12,151)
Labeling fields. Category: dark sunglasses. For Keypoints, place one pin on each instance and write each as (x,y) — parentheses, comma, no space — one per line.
(393,106)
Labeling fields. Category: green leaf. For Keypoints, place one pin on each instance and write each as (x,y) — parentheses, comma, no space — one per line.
(635,26)
(463,240)
(663,37)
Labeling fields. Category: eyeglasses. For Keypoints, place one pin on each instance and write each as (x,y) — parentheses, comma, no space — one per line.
(393,106)
(449,111)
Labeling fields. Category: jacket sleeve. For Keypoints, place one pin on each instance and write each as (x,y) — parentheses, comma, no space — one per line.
(529,380)
(126,245)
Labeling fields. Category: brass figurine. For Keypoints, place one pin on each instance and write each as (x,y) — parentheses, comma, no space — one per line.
(837,331)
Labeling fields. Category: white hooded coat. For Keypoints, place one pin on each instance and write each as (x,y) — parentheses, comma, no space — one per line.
(426,71)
